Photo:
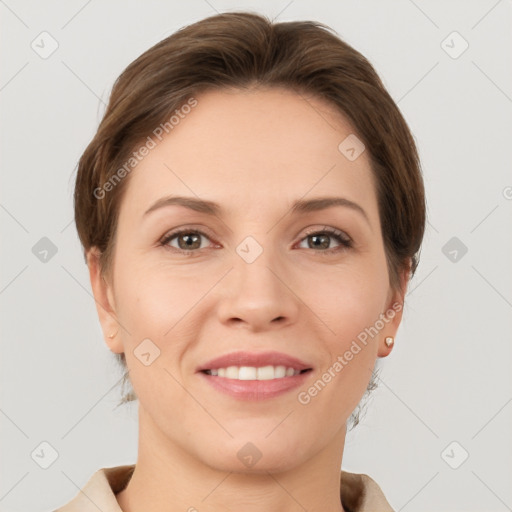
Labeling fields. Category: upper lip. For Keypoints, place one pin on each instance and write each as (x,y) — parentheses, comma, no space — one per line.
(255,359)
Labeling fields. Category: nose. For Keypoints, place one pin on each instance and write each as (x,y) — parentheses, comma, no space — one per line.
(259,295)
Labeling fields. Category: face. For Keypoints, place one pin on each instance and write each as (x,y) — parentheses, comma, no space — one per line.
(259,274)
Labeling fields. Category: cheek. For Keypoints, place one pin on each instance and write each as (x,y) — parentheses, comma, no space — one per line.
(354,303)
(352,308)
(154,297)
(167,306)
(356,310)
(352,299)
(156,305)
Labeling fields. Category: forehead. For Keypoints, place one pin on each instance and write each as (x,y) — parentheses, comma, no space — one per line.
(253,148)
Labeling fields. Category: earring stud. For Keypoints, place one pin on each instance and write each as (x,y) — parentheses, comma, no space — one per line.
(112,335)
(389,341)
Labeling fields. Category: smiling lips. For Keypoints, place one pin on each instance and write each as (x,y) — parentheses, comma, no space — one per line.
(255,376)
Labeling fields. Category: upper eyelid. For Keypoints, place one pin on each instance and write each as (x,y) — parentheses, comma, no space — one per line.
(328,229)
(188,229)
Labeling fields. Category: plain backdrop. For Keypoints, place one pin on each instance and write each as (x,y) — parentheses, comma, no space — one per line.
(435,433)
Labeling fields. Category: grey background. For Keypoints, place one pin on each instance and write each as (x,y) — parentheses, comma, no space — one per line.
(449,375)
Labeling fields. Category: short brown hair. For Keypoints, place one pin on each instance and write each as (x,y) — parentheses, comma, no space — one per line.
(241,50)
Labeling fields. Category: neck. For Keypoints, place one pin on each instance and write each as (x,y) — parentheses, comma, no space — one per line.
(168,478)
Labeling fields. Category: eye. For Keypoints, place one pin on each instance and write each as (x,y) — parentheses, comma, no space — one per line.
(188,240)
(321,239)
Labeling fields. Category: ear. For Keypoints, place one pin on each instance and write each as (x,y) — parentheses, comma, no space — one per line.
(394,311)
(105,305)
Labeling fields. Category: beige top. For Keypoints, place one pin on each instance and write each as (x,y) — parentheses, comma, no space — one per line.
(358,492)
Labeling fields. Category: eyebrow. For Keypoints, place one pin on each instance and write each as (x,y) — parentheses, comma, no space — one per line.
(300,206)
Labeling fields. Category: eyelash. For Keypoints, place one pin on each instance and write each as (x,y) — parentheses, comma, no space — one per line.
(345,242)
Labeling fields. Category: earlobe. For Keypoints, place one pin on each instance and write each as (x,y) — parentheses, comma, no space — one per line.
(105,304)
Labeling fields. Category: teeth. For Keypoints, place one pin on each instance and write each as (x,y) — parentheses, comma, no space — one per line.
(253,373)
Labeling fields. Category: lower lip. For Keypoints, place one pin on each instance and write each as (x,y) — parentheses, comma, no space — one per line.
(255,389)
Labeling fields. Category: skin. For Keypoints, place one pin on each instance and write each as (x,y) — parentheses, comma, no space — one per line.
(254,153)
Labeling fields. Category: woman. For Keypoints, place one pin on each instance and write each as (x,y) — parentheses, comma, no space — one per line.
(251,210)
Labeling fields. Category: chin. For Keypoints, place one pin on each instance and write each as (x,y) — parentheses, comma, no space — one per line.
(248,454)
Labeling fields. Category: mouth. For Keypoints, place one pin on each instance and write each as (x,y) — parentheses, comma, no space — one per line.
(255,375)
